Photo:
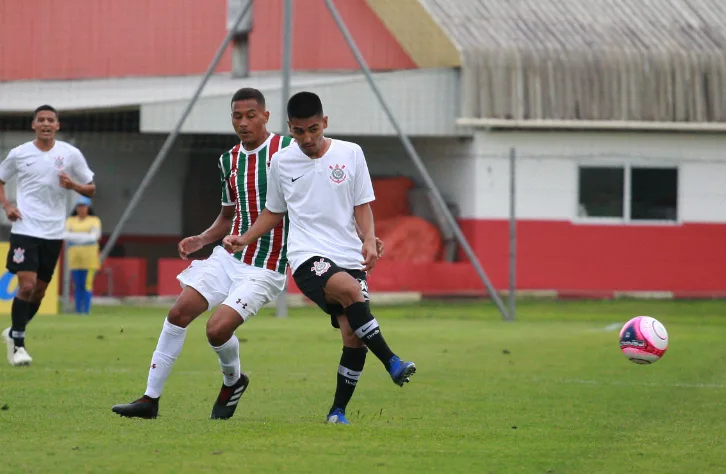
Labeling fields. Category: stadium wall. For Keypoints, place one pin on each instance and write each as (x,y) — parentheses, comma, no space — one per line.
(557,250)
(93,39)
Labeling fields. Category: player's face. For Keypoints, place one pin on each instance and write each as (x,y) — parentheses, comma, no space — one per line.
(45,125)
(249,120)
(308,133)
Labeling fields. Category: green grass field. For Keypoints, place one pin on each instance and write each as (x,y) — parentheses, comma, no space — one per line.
(550,393)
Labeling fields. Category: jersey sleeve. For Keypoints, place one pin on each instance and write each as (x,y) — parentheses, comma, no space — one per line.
(8,167)
(363,186)
(227,199)
(275,199)
(80,170)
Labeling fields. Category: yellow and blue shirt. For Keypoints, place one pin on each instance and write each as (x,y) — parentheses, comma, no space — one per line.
(82,237)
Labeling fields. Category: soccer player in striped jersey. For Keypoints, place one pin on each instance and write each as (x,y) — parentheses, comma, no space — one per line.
(237,284)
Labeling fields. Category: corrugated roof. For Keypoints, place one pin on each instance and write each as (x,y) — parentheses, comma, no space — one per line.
(649,60)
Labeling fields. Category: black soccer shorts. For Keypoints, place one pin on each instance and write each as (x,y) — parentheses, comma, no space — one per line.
(33,254)
(312,276)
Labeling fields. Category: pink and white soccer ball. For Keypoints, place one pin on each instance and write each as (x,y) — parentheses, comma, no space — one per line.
(643,340)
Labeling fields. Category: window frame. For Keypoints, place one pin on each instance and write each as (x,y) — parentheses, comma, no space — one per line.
(627,167)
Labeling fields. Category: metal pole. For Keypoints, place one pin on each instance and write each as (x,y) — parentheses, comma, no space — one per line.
(66,305)
(512,233)
(166,147)
(416,159)
(281,304)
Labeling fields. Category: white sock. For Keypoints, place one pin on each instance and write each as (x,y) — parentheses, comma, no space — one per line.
(167,350)
(229,360)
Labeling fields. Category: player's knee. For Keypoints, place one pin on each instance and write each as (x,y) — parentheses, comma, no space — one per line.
(344,291)
(38,295)
(26,286)
(219,331)
(180,316)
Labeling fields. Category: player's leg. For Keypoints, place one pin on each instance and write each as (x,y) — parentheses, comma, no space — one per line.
(205,284)
(79,281)
(188,306)
(89,291)
(22,261)
(48,255)
(350,368)
(348,291)
(258,287)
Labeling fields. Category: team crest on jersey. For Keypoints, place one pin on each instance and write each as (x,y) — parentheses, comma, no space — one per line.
(19,255)
(320,267)
(58,160)
(337,174)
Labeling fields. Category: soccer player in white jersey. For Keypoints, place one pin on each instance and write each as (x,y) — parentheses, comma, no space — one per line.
(324,188)
(47,170)
(237,283)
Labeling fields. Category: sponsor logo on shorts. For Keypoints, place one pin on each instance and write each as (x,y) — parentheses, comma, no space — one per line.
(19,255)
(364,288)
(320,267)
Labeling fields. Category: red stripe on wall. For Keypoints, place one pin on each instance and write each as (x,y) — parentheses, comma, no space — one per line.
(565,256)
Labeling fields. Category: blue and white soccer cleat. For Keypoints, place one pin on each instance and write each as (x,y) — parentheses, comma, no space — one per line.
(337,416)
(401,371)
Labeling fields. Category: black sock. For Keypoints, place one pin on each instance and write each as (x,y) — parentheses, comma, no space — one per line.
(19,311)
(349,370)
(366,328)
(34,307)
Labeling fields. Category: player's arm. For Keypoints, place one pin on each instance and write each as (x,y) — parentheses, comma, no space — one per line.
(362,212)
(8,168)
(83,174)
(88,189)
(220,227)
(266,221)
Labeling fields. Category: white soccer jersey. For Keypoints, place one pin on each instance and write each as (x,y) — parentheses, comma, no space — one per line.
(319,196)
(40,198)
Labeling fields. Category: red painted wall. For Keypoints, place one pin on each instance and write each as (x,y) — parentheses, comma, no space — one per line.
(71,39)
(559,255)
(41,39)
(688,260)
(317,43)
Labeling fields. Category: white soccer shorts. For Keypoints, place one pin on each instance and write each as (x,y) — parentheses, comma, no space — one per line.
(222,279)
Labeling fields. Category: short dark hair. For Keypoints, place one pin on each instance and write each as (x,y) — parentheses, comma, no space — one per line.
(247,93)
(304,105)
(90,211)
(45,107)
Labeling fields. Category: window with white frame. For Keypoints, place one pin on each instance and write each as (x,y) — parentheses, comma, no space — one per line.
(628,192)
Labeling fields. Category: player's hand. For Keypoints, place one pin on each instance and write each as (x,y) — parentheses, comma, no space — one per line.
(379,247)
(233,243)
(66,181)
(12,212)
(370,255)
(189,246)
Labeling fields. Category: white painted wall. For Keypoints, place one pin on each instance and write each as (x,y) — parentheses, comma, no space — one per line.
(547,167)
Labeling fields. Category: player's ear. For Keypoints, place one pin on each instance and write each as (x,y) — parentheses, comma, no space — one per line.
(325,122)
(267,115)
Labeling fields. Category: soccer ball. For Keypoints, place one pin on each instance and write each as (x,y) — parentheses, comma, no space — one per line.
(643,340)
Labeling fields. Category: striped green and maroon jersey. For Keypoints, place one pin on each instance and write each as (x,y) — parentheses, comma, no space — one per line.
(244,185)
